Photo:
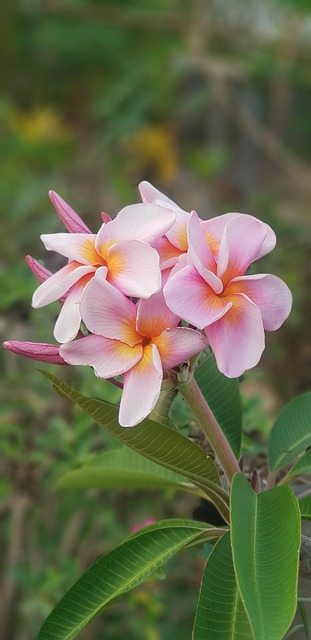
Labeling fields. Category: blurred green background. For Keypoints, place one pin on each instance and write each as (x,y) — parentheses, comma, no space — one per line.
(210,101)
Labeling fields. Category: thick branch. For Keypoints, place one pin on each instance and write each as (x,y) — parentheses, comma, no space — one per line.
(305,557)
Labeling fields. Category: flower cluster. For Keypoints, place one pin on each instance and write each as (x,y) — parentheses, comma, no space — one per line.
(125,290)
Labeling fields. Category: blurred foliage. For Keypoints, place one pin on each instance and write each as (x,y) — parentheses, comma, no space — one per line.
(96,96)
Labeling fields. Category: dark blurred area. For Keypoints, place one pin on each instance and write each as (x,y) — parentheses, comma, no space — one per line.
(208,100)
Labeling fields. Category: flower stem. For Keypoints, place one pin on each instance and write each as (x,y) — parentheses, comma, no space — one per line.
(209,425)
(271,480)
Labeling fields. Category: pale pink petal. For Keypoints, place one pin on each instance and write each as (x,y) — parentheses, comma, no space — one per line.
(101,273)
(68,322)
(166,274)
(37,269)
(181,262)
(179,344)
(108,357)
(58,284)
(214,227)
(192,299)
(69,319)
(167,252)
(134,268)
(237,339)
(141,389)
(68,216)
(149,194)
(269,293)
(74,246)
(268,244)
(241,240)
(200,255)
(107,312)
(177,234)
(41,273)
(213,230)
(154,316)
(36,351)
(145,222)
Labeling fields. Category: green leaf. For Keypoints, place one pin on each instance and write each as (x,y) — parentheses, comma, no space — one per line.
(305,507)
(223,396)
(291,433)
(116,573)
(124,469)
(155,442)
(265,537)
(303,465)
(220,612)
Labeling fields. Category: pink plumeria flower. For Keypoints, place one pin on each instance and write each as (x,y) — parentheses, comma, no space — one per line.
(213,293)
(121,249)
(140,341)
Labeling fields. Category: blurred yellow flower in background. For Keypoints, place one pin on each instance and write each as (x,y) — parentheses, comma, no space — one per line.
(155,149)
(39,125)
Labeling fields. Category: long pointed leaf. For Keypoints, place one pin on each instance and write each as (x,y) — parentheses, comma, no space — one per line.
(265,535)
(156,442)
(291,432)
(116,573)
(220,612)
(223,396)
(124,469)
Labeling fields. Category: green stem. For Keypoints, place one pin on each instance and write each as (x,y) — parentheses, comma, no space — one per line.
(209,425)
(271,480)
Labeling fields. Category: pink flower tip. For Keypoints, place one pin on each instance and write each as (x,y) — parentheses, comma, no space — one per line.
(68,216)
(36,351)
(39,271)
(142,525)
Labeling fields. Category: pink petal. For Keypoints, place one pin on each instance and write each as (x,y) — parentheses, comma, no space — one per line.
(237,339)
(214,228)
(200,255)
(68,216)
(107,312)
(69,319)
(41,273)
(168,253)
(268,244)
(269,293)
(108,357)
(145,222)
(36,351)
(154,316)
(134,268)
(58,284)
(149,193)
(37,269)
(141,389)
(192,299)
(179,344)
(239,246)
(75,246)
(177,235)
